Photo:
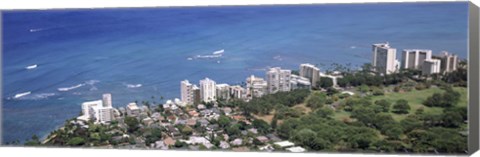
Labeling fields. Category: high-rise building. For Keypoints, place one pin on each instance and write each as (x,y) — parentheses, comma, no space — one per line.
(196,95)
(237,92)
(431,66)
(278,80)
(413,58)
(107,100)
(311,72)
(101,114)
(101,111)
(449,62)
(87,105)
(186,92)
(223,91)
(256,86)
(299,82)
(207,90)
(384,58)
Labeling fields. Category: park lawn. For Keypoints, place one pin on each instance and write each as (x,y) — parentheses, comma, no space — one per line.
(415,99)
(302,107)
(267,118)
(341,115)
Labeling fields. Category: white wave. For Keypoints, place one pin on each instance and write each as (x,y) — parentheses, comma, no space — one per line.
(219,52)
(29,96)
(91,82)
(189,58)
(215,54)
(134,85)
(278,58)
(19,95)
(353,47)
(64,89)
(31,67)
(36,29)
(39,96)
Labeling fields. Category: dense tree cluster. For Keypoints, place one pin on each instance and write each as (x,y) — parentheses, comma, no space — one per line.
(265,104)
(449,98)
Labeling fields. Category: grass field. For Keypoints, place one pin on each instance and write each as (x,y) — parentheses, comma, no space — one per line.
(415,99)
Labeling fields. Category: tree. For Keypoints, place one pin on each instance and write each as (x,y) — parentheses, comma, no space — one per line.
(377,91)
(325,82)
(452,119)
(316,100)
(401,107)
(76,141)
(132,124)
(393,131)
(274,122)
(223,121)
(187,130)
(305,137)
(35,141)
(383,104)
(364,114)
(324,112)
(261,125)
(233,130)
(411,123)
(448,99)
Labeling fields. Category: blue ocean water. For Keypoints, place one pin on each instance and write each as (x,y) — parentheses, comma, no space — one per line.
(111,50)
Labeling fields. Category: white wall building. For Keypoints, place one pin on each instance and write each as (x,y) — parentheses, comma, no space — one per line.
(278,80)
(223,91)
(101,111)
(207,90)
(107,100)
(101,114)
(299,82)
(186,92)
(431,66)
(133,109)
(449,62)
(413,58)
(87,105)
(256,86)
(384,58)
(237,92)
(311,72)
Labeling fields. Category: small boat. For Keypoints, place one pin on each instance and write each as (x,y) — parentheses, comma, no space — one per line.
(21,94)
(31,67)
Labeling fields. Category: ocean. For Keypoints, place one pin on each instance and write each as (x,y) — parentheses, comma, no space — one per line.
(137,53)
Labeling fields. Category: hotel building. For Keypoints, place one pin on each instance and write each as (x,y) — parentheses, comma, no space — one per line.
(413,58)
(207,90)
(186,92)
(101,111)
(431,66)
(237,92)
(384,58)
(107,100)
(311,72)
(278,80)
(256,86)
(299,82)
(223,91)
(196,95)
(449,62)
